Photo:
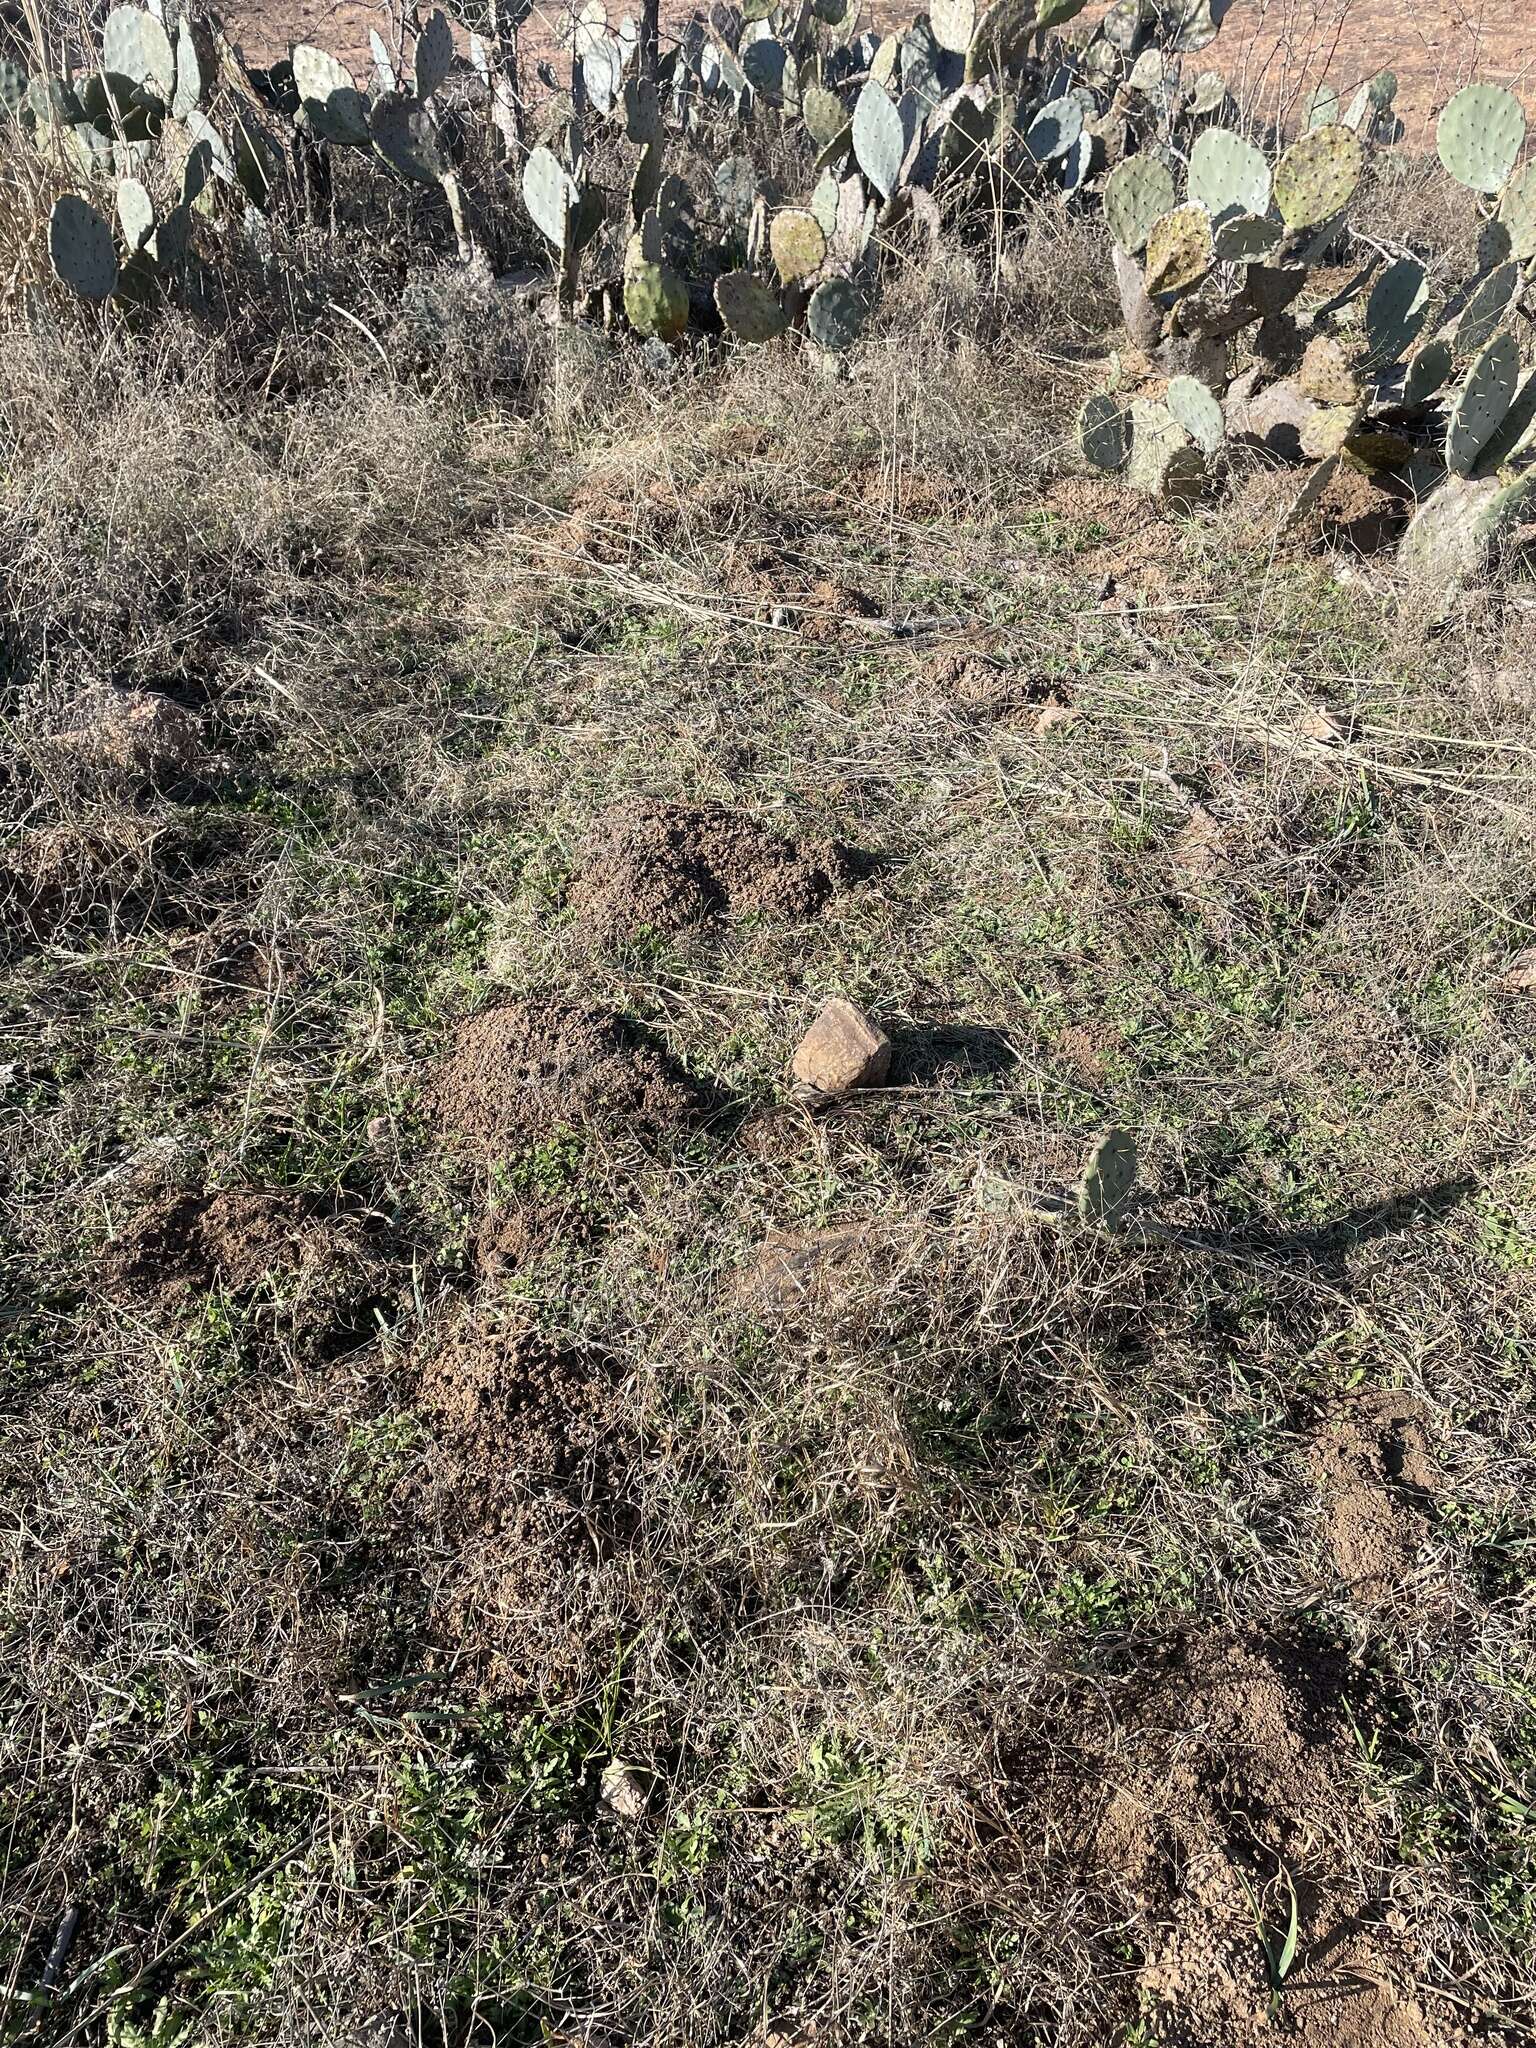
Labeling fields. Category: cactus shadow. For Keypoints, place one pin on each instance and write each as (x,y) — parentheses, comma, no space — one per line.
(1326,1248)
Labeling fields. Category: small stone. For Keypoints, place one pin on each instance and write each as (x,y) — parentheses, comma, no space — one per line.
(842,1050)
(377,1132)
(1054,716)
(622,1790)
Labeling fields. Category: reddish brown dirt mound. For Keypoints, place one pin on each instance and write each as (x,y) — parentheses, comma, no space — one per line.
(532,1481)
(514,1073)
(187,1242)
(1374,1472)
(664,867)
(1223,1782)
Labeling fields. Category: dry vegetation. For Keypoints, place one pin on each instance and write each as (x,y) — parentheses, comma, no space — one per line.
(519,1530)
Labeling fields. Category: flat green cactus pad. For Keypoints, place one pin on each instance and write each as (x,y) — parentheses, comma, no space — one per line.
(750,311)
(1479,136)
(1317,176)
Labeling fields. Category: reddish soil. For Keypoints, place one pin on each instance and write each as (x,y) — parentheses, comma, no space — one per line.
(237,1238)
(515,1073)
(665,867)
(530,1483)
(1274,51)
(1204,1795)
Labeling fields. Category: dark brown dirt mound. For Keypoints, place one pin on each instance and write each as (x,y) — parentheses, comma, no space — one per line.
(1373,1469)
(532,1483)
(1211,1794)
(515,1072)
(664,867)
(185,1242)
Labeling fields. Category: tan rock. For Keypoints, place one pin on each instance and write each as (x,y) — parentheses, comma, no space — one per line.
(842,1050)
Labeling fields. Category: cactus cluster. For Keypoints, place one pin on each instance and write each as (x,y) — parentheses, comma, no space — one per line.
(1214,292)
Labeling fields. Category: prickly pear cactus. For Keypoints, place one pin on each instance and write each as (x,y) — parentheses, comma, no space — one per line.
(750,311)
(80,248)
(1396,310)
(434,54)
(549,193)
(1108,1180)
(836,314)
(135,45)
(824,115)
(798,244)
(1317,176)
(333,106)
(1164,461)
(1101,431)
(1481,404)
(1179,251)
(1479,136)
(135,214)
(1517,214)
(1196,409)
(1227,175)
(878,139)
(1137,193)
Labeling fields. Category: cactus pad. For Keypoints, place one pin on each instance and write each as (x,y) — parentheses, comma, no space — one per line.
(434,54)
(1426,373)
(1101,431)
(549,193)
(1484,312)
(1480,135)
(655,298)
(1396,310)
(135,45)
(1137,192)
(1179,251)
(333,106)
(1517,212)
(1196,410)
(1164,461)
(878,140)
(1055,129)
(135,214)
(1317,176)
(1056,13)
(80,248)
(836,314)
(1454,531)
(824,115)
(953,23)
(797,243)
(1108,1180)
(1478,409)
(750,311)
(1227,174)
(1244,237)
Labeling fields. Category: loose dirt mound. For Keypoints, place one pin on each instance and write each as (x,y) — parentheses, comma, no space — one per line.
(1224,1784)
(514,1073)
(532,1483)
(1376,1477)
(665,867)
(186,1242)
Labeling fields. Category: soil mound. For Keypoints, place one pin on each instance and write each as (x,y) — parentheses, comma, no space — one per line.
(1374,1471)
(1221,1791)
(532,1479)
(515,1072)
(186,1242)
(665,867)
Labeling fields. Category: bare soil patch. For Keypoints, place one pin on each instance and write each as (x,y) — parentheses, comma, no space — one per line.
(514,1073)
(1219,1787)
(1377,1479)
(666,867)
(182,1243)
(531,1481)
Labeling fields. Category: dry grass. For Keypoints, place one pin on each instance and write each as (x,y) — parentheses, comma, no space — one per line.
(872,1591)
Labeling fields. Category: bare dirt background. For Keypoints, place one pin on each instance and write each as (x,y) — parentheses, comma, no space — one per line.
(1274,52)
